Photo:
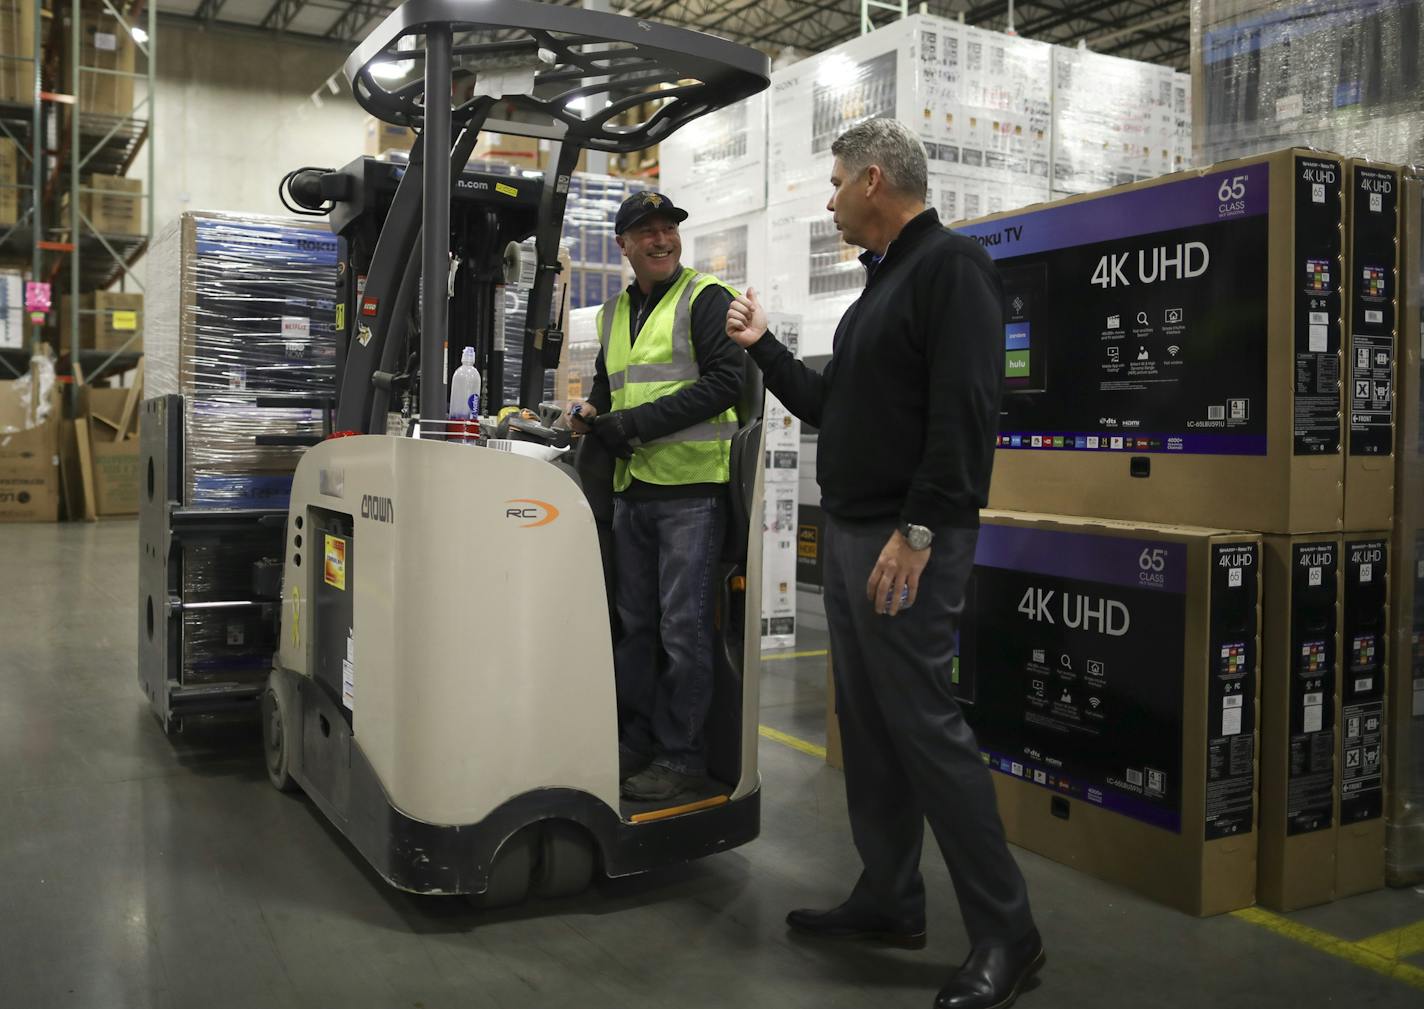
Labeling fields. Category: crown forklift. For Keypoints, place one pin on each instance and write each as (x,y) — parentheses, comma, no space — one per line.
(443,689)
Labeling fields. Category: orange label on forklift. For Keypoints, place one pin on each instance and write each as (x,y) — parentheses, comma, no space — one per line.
(368,306)
(334,569)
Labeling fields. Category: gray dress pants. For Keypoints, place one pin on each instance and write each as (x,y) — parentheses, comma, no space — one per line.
(909,754)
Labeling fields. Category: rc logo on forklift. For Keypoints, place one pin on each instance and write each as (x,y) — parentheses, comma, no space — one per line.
(531,512)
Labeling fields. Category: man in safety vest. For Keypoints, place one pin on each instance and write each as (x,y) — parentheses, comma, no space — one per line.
(663,402)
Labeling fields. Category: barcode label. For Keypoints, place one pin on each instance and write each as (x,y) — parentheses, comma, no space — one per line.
(1216,413)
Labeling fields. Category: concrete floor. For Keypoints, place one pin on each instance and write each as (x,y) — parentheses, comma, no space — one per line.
(139,873)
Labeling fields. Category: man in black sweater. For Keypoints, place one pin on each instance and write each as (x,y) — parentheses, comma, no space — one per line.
(908,416)
(663,401)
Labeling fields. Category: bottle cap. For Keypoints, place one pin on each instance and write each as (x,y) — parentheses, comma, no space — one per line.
(467,356)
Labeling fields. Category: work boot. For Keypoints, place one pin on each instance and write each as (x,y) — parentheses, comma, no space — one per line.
(994,975)
(659,783)
(630,762)
(845,922)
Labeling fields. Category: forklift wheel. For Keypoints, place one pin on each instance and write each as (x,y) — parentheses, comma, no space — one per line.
(274,740)
(509,876)
(565,860)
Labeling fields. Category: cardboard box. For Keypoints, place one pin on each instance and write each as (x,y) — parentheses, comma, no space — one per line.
(113,453)
(1300,687)
(9,182)
(116,205)
(1365,670)
(114,457)
(978,100)
(1110,673)
(715,166)
(382,137)
(105,46)
(522,152)
(1371,336)
(733,249)
(1172,349)
(113,205)
(108,320)
(29,452)
(17,39)
(1404,775)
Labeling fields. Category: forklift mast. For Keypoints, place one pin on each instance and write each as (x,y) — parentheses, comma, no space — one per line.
(560,74)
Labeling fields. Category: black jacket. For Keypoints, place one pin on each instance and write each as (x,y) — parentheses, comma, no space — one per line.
(908,406)
(717,389)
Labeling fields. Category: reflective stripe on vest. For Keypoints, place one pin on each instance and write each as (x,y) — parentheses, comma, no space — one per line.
(698,454)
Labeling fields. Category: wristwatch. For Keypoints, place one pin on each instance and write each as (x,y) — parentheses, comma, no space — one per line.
(919,537)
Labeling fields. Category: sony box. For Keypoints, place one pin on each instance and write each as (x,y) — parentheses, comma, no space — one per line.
(1172,349)
(1110,673)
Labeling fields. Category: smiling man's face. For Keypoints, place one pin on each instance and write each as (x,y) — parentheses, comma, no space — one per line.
(654,249)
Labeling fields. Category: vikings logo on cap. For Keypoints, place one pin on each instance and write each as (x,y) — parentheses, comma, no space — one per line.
(641,205)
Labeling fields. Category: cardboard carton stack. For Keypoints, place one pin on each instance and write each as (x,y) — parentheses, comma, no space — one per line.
(29,445)
(17,39)
(241,307)
(1331,74)
(1404,812)
(1214,349)
(108,59)
(108,320)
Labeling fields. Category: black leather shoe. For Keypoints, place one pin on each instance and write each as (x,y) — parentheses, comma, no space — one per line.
(845,922)
(993,976)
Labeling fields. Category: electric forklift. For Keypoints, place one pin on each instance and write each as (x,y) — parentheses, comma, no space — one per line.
(443,688)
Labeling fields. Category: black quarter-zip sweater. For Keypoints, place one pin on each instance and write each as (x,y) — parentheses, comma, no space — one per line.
(908,406)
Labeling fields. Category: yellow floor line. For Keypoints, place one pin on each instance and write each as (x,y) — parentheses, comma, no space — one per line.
(1397,943)
(1381,953)
(782,656)
(796,744)
(1355,953)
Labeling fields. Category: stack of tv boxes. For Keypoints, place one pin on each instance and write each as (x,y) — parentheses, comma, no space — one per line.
(1177,653)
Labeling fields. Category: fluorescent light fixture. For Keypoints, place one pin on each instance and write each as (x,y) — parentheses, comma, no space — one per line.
(391,70)
(139,35)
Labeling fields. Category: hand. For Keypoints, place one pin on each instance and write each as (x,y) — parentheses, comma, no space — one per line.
(746,319)
(616,432)
(895,582)
(581,413)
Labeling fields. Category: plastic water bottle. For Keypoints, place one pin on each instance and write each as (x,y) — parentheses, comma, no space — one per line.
(465,400)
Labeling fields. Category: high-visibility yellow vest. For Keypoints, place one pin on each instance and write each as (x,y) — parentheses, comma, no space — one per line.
(661,362)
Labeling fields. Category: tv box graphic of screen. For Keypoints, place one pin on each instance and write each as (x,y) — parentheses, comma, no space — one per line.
(1025,362)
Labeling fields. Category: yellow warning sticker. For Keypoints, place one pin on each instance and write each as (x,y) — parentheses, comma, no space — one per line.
(341,317)
(334,570)
(126,321)
(507,190)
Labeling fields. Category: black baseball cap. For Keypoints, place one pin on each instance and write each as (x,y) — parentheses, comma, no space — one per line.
(643,205)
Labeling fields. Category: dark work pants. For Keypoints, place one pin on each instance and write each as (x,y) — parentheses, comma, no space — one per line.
(666,555)
(909,754)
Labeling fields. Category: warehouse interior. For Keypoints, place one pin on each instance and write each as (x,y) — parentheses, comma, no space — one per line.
(1191,647)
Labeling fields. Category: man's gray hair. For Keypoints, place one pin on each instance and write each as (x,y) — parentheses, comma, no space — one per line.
(890,145)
